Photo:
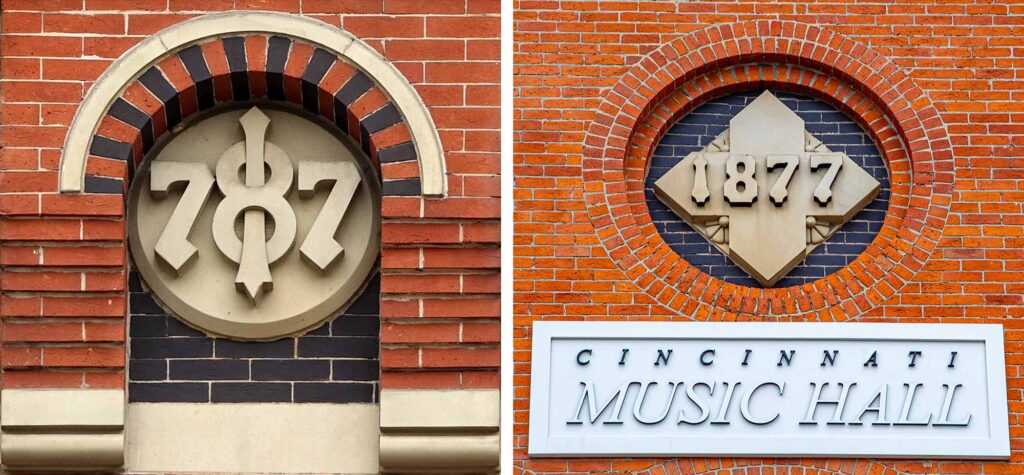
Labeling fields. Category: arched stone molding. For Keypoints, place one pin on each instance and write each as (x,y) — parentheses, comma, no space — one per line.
(317,59)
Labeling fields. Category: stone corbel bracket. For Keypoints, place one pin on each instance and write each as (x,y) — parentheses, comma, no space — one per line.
(61,429)
(439,431)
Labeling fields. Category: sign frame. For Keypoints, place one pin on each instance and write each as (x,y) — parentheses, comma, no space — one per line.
(997,446)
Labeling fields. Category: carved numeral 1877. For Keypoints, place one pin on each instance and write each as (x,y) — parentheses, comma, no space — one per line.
(740,186)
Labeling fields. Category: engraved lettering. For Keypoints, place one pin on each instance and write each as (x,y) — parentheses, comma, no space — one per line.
(839,402)
(640,398)
(745,404)
(579,357)
(589,396)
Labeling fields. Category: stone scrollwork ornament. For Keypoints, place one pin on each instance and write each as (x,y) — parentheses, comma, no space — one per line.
(766,192)
(216,214)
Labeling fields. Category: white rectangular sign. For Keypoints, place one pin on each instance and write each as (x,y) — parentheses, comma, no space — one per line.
(795,389)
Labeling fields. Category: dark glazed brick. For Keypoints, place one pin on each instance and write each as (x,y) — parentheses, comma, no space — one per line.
(322,330)
(367,304)
(169,392)
(176,327)
(234,48)
(195,63)
(257,371)
(838,132)
(403,152)
(277,57)
(135,282)
(291,370)
(409,187)
(340,114)
(364,141)
(318,65)
(283,348)
(153,80)
(204,94)
(209,370)
(251,392)
(355,370)
(277,53)
(310,97)
(334,392)
(172,347)
(107,148)
(354,88)
(356,325)
(147,326)
(104,185)
(123,111)
(373,289)
(381,119)
(147,370)
(143,304)
(339,347)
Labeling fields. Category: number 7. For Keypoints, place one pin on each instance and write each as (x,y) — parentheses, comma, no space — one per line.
(823,193)
(780,190)
(320,247)
(172,246)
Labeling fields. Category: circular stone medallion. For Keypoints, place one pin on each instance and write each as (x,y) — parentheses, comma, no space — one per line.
(261,251)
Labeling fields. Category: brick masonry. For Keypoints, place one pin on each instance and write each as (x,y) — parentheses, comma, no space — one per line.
(936,87)
(172,362)
(64,285)
(837,131)
(240,69)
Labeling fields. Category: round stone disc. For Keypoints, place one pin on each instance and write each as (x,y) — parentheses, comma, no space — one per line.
(204,291)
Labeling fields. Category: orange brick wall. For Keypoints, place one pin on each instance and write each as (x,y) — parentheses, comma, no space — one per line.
(63,257)
(590,77)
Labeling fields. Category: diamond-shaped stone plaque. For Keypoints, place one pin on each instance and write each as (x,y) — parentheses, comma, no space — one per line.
(765,191)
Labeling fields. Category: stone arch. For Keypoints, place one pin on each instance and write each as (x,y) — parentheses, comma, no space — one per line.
(192,66)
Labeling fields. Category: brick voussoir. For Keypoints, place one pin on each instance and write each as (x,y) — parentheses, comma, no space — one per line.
(200,75)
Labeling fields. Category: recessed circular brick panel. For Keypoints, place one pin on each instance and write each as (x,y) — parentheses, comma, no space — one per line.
(783,56)
(838,132)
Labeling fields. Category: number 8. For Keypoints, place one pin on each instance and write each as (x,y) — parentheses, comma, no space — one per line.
(740,185)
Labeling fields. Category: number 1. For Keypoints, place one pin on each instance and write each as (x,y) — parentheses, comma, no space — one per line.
(700,191)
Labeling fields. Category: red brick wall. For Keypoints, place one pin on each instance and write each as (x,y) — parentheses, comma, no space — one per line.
(939,88)
(63,256)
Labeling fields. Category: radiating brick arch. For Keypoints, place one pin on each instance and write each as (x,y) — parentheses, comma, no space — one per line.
(224,58)
(718,59)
